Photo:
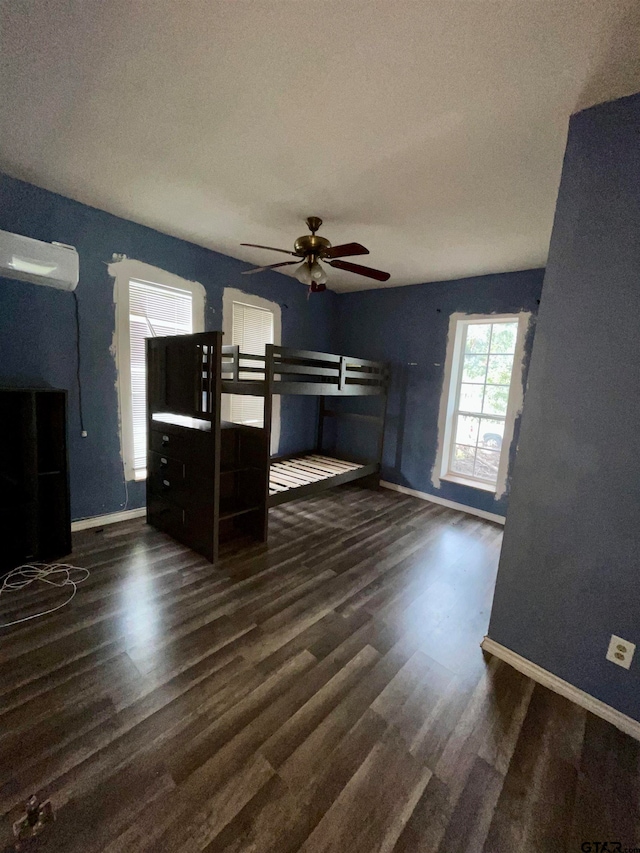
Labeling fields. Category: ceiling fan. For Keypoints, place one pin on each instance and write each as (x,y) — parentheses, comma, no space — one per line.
(312,249)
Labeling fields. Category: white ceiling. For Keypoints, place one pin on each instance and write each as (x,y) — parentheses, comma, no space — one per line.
(432,132)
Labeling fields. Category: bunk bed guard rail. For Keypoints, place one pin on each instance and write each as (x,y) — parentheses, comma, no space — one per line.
(294,371)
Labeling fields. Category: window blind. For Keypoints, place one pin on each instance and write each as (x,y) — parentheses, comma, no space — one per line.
(478,421)
(252,329)
(154,311)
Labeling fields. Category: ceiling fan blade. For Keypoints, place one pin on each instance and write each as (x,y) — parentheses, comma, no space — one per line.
(269,267)
(346,250)
(271,249)
(360,270)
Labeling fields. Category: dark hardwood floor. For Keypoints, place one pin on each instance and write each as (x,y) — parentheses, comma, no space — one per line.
(326,693)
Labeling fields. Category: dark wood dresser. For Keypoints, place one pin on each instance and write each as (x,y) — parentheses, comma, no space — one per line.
(205,478)
(181,497)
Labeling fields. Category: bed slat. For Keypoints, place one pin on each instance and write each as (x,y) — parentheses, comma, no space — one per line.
(300,471)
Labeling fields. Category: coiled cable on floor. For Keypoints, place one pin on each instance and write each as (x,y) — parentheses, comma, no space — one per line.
(55,574)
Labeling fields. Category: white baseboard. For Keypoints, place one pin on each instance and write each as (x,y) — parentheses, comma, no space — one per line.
(110,518)
(621,721)
(425,496)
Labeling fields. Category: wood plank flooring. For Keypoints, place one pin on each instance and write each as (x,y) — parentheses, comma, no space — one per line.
(323,693)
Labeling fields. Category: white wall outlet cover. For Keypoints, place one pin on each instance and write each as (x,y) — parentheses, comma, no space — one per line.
(620,651)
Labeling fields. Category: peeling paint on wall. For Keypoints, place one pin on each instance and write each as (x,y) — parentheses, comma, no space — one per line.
(516,394)
(123,270)
(408,327)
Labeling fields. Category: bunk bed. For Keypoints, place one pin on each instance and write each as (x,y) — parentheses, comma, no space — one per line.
(209,478)
(291,371)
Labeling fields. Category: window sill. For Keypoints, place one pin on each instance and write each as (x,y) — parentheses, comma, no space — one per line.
(475,484)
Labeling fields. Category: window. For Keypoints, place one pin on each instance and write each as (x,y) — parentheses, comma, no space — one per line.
(149,303)
(482,398)
(252,329)
(251,322)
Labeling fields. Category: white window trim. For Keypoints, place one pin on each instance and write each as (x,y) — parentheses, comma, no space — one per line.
(449,393)
(229,296)
(123,271)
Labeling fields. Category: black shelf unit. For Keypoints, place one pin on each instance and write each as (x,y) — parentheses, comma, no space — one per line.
(242,479)
(35,516)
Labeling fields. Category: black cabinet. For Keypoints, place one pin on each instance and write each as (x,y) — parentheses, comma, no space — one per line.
(35,520)
(181,484)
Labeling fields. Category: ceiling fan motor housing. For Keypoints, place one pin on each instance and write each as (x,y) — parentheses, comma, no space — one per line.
(311,244)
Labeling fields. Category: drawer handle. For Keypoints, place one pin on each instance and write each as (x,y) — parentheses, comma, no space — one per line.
(165,440)
(166,484)
(164,463)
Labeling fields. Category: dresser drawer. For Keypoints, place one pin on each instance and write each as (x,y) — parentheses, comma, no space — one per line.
(167,473)
(184,492)
(193,528)
(187,445)
(165,515)
(166,466)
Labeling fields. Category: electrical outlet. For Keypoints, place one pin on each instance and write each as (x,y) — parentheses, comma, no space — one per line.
(620,651)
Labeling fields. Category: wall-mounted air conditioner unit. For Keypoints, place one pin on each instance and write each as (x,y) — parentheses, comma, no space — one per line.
(52,264)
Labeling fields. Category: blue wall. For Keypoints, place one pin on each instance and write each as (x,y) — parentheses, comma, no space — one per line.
(37,329)
(401,325)
(569,574)
(398,325)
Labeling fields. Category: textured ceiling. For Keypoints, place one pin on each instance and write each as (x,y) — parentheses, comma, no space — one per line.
(432,132)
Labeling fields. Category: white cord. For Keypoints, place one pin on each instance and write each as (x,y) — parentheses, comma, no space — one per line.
(55,574)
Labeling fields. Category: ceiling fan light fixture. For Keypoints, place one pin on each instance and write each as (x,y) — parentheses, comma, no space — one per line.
(303,273)
(317,273)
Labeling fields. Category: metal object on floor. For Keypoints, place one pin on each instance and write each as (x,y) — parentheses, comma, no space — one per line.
(37,816)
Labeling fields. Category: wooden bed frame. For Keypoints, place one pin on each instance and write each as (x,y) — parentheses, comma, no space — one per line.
(283,370)
(207,477)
